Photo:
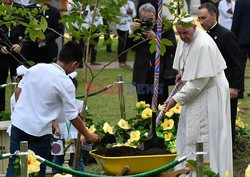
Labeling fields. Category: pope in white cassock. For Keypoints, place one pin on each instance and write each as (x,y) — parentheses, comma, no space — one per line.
(205,99)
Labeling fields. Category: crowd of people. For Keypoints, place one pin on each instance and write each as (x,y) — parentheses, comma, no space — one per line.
(210,63)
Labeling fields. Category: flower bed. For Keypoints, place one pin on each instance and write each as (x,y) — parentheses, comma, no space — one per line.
(134,131)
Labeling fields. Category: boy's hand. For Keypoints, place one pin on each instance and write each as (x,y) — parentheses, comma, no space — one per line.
(93,138)
(57,132)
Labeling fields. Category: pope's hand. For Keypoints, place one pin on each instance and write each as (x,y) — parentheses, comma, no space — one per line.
(177,78)
(170,103)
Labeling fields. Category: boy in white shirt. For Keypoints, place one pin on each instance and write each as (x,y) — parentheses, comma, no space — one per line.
(43,93)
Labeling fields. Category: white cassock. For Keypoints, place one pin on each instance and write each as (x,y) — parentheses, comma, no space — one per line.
(206,103)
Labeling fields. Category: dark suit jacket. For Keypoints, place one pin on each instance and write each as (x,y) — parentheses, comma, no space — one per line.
(230,50)
(144,60)
(48,52)
(241,21)
(8,37)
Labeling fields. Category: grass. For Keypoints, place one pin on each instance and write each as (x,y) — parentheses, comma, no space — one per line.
(107,106)
(102,55)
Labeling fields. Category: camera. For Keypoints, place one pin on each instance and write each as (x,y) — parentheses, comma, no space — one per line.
(146,24)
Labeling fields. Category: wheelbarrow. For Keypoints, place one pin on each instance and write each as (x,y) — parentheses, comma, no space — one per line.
(129,165)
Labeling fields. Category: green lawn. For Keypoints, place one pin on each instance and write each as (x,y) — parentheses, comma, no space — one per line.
(102,55)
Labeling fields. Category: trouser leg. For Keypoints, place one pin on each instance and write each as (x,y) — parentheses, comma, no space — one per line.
(122,38)
(234,104)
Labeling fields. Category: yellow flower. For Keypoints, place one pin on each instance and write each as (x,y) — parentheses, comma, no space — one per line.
(169,113)
(134,135)
(160,107)
(239,123)
(177,109)
(33,164)
(238,109)
(227,174)
(167,124)
(123,124)
(146,113)
(247,171)
(60,175)
(142,104)
(128,143)
(172,150)
(92,129)
(146,134)
(119,145)
(168,136)
(107,128)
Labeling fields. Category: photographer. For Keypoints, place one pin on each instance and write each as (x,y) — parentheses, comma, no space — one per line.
(143,70)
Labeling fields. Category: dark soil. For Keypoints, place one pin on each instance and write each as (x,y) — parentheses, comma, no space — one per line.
(129,151)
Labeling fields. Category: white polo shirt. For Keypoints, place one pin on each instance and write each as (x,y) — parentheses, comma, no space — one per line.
(46,91)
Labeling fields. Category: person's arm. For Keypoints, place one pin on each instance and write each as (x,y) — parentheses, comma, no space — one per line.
(236,18)
(16,48)
(190,90)
(133,9)
(223,10)
(79,124)
(234,63)
(56,128)
(131,40)
(187,92)
(17,93)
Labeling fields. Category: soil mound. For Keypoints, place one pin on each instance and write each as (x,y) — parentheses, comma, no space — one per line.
(129,151)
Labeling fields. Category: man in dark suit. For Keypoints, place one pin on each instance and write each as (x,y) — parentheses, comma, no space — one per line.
(45,50)
(230,50)
(10,47)
(241,27)
(143,70)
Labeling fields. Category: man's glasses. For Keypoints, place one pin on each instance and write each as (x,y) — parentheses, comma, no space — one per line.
(201,19)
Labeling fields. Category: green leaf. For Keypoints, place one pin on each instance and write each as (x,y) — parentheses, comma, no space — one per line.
(43,23)
(4,116)
(192,163)
(166,42)
(152,48)
(163,49)
(33,35)
(209,173)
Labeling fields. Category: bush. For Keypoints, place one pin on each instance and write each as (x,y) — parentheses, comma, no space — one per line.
(4,116)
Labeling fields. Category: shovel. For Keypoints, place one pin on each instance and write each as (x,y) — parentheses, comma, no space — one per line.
(153,141)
